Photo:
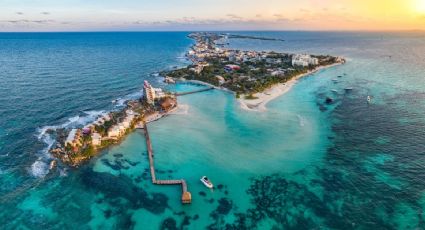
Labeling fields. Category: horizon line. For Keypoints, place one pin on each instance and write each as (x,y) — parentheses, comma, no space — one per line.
(235,30)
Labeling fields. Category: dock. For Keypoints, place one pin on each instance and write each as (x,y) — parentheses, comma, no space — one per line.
(186,195)
(195,91)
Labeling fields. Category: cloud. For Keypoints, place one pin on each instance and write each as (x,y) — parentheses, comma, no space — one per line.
(45,13)
(304,10)
(258,15)
(234,16)
(19,13)
(26,21)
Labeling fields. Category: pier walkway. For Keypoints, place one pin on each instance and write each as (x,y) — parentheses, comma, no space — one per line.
(186,195)
(196,91)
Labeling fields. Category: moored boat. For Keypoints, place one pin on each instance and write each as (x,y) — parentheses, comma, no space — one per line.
(206,182)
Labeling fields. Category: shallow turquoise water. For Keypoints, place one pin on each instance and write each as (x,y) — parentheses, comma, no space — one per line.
(303,164)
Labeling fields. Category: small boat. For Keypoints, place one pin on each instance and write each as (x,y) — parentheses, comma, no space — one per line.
(348,89)
(114,101)
(369,99)
(334,90)
(206,182)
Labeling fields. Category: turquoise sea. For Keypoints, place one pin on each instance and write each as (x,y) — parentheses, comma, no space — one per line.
(302,164)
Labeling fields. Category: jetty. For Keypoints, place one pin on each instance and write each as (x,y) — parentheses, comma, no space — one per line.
(195,91)
(186,195)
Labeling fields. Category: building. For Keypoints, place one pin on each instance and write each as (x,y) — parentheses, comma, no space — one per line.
(168,103)
(230,68)
(96,139)
(278,73)
(70,140)
(149,93)
(304,60)
(114,132)
(220,79)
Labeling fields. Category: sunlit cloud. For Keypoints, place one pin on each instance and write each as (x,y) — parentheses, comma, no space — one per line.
(218,14)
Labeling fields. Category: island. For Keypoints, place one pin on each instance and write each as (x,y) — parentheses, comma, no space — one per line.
(255,77)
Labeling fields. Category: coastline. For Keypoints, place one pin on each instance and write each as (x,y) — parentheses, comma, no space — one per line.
(259,104)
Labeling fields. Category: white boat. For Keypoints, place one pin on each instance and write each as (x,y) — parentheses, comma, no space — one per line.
(369,99)
(206,182)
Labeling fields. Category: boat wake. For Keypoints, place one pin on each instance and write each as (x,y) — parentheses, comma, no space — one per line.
(301,120)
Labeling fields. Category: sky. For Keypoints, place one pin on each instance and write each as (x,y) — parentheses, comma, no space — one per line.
(192,15)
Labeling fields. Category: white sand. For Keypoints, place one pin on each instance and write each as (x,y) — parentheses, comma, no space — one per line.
(273,92)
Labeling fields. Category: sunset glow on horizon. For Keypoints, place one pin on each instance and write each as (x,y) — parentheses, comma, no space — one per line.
(132,15)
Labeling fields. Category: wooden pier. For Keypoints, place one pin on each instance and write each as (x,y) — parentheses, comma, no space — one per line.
(191,92)
(186,195)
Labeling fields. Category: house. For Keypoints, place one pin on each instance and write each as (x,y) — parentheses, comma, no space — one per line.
(114,132)
(230,68)
(71,139)
(96,139)
(220,79)
(168,103)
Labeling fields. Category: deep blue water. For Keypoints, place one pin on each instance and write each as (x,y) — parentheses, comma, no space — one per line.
(348,165)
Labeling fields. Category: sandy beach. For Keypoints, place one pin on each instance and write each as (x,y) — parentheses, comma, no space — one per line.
(274,92)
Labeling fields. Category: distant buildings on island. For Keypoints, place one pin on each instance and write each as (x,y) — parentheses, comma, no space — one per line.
(206,50)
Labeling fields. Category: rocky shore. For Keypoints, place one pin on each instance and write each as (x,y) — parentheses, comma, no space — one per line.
(75,146)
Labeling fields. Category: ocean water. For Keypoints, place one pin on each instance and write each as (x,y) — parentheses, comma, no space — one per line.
(302,164)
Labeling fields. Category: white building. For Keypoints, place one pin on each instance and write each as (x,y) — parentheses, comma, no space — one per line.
(96,139)
(304,60)
(149,93)
(114,132)
(71,137)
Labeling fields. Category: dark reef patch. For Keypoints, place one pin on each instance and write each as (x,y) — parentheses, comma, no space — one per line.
(121,186)
(202,193)
(169,224)
(118,155)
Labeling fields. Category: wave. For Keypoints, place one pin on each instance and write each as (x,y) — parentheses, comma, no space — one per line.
(120,102)
(40,167)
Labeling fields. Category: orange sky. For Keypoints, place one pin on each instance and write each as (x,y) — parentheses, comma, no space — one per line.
(46,15)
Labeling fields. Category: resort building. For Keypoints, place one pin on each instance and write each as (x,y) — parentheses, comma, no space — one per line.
(114,132)
(149,93)
(304,60)
(71,137)
(96,139)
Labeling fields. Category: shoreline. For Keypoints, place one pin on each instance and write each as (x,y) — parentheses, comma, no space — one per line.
(263,98)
